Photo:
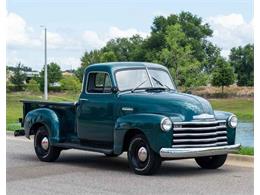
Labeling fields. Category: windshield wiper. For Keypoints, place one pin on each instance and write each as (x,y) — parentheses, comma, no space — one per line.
(138,86)
(160,83)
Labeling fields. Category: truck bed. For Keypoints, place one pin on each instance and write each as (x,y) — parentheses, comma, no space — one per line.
(66,111)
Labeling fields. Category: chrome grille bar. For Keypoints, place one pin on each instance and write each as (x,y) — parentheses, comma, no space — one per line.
(193,134)
(199,145)
(199,128)
(199,134)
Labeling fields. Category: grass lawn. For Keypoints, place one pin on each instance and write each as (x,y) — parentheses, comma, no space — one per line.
(14,108)
(242,107)
(247,151)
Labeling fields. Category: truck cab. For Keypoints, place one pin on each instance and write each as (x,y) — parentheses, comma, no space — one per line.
(132,107)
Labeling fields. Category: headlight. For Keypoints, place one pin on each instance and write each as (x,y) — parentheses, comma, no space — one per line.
(232,121)
(166,124)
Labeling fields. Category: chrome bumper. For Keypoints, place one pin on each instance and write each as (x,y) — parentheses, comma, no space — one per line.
(197,152)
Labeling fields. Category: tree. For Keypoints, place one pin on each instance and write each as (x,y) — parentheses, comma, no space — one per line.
(223,74)
(185,68)
(70,83)
(18,77)
(54,75)
(91,57)
(242,59)
(33,86)
(108,57)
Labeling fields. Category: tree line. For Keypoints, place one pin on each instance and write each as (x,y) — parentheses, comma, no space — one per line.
(180,42)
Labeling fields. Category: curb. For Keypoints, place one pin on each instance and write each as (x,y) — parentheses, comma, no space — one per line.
(9,132)
(241,158)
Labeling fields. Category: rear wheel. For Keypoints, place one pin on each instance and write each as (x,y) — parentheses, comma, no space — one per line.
(142,159)
(211,162)
(44,151)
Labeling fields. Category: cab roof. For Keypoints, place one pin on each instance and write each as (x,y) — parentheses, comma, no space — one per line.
(113,66)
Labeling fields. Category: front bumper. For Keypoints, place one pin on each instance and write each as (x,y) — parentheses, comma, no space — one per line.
(197,152)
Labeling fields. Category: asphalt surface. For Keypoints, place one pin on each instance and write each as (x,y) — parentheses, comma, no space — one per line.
(80,172)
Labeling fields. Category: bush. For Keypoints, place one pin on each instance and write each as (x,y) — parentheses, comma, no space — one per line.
(33,86)
(70,83)
(14,88)
(55,88)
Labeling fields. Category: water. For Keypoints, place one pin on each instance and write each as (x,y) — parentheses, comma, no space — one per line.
(245,134)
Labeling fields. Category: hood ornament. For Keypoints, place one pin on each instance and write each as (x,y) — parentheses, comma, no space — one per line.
(203,116)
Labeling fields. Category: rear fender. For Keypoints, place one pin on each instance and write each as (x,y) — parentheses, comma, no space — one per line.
(46,117)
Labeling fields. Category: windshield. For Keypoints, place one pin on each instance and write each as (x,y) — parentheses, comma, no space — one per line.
(131,78)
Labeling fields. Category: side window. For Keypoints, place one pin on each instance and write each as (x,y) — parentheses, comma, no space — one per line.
(99,82)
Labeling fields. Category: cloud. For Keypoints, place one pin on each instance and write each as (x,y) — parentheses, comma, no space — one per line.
(93,40)
(19,33)
(230,31)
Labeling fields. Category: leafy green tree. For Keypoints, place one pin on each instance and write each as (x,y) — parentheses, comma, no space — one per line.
(108,57)
(54,75)
(223,74)
(33,86)
(242,59)
(70,83)
(18,77)
(91,57)
(126,49)
(185,68)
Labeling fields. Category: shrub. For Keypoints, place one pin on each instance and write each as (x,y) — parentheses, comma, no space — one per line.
(70,83)
(33,86)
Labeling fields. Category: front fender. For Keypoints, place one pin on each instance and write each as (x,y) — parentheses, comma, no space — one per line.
(231,132)
(148,124)
(46,117)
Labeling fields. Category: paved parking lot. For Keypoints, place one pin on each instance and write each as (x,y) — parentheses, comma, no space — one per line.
(80,172)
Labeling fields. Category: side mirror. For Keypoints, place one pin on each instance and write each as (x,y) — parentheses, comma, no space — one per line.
(114,90)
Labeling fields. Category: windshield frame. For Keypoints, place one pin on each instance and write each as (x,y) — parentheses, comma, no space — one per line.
(148,75)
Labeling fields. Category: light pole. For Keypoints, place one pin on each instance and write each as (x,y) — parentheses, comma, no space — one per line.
(45,64)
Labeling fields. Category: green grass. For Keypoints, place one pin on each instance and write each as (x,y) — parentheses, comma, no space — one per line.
(242,107)
(247,151)
(14,107)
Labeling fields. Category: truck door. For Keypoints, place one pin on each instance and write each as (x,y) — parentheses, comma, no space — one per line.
(96,110)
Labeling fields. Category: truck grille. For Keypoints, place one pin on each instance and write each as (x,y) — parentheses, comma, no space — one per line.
(196,134)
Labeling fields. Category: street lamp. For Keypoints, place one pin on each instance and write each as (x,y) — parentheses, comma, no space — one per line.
(45,64)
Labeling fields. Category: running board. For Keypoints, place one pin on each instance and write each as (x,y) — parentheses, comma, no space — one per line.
(82,147)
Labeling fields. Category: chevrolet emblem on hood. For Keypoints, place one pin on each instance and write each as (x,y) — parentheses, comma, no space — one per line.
(203,117)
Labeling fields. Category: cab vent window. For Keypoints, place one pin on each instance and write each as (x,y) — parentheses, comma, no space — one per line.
(99,82)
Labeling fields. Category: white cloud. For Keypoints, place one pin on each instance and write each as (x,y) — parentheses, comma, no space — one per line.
(230,31)
(66,62)
(19,33)
(95,41)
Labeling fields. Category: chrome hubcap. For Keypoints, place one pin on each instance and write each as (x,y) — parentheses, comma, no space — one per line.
(142,154)
(45,143)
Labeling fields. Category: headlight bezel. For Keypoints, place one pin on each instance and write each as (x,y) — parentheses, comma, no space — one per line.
(230,121)
(163,128)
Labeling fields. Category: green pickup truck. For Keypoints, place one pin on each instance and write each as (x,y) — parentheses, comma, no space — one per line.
(132,107)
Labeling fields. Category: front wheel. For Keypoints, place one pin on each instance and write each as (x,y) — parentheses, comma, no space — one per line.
(211,162)
(142,159)
(44,151)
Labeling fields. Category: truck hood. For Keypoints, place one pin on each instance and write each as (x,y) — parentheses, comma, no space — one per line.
(178,106)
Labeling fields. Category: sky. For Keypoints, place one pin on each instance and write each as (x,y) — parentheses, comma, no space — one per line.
(76,26)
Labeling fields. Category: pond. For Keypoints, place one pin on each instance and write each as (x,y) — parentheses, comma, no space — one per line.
(245,134)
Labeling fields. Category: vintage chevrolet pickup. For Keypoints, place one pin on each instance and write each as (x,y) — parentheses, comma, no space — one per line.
(133,107)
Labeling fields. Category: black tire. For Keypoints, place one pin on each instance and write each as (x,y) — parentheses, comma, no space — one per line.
(112,155)
(148,166)
(47,155)
(211,162)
